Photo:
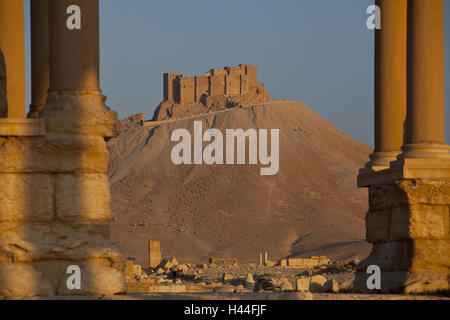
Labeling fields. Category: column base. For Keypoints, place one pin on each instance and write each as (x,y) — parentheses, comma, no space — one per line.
(55,207)
(425,151)
(408,224)
(379,161)
(34,111)
(404,282)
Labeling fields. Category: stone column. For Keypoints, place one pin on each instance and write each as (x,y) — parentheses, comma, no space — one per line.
(408,217)
(74,54)
(12,45)
(425,121)
(154,252)
(390,83)
(40,56)
(55,212)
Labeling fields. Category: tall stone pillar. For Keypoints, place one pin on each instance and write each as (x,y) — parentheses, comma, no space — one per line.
(78,46)
(12,45)
(408,221)
(390,83)
(425,121)
(40,56)
(55,216)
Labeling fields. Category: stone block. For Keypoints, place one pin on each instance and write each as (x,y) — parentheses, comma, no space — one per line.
(55,241)
(377,226)
(430,255)
(331,286)
(317,283)
(79,113)
(129,268)
(303,284)
(389,256)
(24,280)
(154,253)
(26,197)
(54,154)
(83,199)
(98,277)
(249,282)
(405,282)
(429,222)
(419,222)
(426,191)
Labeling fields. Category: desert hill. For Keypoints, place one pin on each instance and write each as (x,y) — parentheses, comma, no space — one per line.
(311,207)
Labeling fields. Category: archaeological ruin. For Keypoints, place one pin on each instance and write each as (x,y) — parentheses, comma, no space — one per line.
(55,210)
(408,176)
(55,205)
(218,89)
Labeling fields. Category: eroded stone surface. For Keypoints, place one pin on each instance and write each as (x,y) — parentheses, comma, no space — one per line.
(55,209)
(218,89)
(408,224)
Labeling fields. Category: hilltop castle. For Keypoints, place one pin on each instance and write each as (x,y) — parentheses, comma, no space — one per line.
(217,89)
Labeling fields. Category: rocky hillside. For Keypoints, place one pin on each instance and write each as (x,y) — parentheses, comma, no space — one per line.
(311,207)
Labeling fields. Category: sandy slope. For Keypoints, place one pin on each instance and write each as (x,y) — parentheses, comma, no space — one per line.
(311,207)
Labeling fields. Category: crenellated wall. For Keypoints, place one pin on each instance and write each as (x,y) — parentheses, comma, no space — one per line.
(216,82)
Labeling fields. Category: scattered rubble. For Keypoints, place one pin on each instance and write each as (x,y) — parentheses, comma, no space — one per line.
(169,276)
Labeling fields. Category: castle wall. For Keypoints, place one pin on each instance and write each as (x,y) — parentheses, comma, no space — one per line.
(229,81)
(169,85)
(252,73)
(201,86)
(233,80)
(217,85)
(187,90)
(244,84)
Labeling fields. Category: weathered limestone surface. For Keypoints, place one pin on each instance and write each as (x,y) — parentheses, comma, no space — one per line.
(218,89)
(305,263)
(154,252)
(408,224)
(56,211)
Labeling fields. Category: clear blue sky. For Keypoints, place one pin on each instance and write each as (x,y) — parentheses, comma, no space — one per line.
(315,51)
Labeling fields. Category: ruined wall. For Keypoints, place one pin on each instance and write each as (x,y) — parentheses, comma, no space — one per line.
(187,90)
(201,87)
(217,89)
(168,85)
(55,209)
(217,82)
(3,100)
(408,223)
(233,81)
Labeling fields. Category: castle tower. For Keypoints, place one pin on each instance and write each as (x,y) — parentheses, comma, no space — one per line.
(169,86)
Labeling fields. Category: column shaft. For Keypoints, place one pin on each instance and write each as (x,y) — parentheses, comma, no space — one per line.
(74,54)
(390,82)
(425,120)
(40,56)
(12,45)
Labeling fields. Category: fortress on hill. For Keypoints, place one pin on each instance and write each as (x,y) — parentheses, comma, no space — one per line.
(216,90)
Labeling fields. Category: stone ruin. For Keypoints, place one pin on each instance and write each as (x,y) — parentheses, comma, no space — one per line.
(216,90)
(55,207)
(306,263)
